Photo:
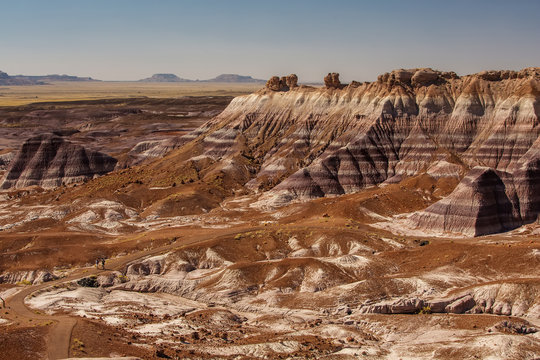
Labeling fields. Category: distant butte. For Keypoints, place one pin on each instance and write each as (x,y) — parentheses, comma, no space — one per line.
(223,78)
(6,79)
(165,78)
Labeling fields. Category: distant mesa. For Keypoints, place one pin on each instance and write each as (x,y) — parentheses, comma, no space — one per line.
(234,78)
(223,78)
(55,77)
(49,161)
(165,78)
(6,79)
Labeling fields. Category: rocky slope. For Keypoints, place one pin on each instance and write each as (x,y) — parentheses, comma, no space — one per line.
(50,161)
(301,142)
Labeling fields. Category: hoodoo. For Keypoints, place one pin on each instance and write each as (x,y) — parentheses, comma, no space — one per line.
(50,161)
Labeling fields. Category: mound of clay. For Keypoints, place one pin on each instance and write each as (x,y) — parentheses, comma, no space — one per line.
(484,202)
(49,161)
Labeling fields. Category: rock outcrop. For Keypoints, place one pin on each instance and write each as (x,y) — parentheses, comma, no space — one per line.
(331,81)
(27,277)
(50,161)
(282,84)
(291,81)
(5,159)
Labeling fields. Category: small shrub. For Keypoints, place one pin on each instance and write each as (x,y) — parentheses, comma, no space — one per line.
(425,310)
(77,345)
(88,282)
(24,282)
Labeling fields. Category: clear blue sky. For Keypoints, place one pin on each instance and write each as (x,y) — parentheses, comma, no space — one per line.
(132,39)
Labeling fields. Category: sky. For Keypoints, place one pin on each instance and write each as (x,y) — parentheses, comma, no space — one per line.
(199,39)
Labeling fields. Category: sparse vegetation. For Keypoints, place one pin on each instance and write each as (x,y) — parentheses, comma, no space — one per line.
(425,310)
(90,281)
(77,345)
(24,282)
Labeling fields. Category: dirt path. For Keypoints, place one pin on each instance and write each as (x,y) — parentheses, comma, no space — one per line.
(59,339)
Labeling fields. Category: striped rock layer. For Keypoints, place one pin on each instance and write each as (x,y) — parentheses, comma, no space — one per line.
(488,201)
(310,142)
(50,161)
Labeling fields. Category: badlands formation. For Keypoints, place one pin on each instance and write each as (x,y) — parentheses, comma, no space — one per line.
(389,219)
(307,143)
(50,161)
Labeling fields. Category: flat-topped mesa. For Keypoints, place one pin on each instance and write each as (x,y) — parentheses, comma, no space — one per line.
(50,161)
(284,83)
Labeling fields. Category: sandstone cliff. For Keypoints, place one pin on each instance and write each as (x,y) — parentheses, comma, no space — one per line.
(50,161)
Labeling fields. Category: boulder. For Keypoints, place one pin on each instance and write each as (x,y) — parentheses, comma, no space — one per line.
(291,81)
(406,306)
(274,83)
(107,280)
(424,77)
(461,305)
(403,76)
